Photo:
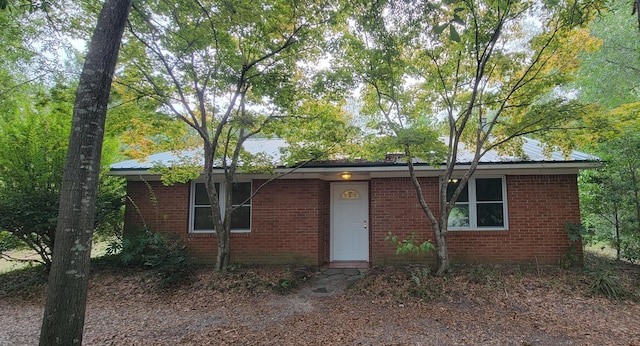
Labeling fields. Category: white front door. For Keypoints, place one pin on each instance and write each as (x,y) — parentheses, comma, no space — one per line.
(350,221)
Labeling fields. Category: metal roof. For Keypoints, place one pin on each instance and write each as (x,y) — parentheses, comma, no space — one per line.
(269,147)
(533,152)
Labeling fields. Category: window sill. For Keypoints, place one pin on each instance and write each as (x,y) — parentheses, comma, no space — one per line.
(478,229)
(243,231)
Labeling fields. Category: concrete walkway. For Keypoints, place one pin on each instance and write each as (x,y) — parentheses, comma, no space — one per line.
(332,281)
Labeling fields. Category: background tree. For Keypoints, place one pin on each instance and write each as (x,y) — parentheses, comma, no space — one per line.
(33,144)
(609,77)
(33,141)
(610,197)
(141,128)
(483,71)
(230,70)
(35,111)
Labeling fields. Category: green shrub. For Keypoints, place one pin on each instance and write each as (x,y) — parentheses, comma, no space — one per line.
(9,242)
(410,245)
(165,253)
(575,232)
(630,249)
(605,283)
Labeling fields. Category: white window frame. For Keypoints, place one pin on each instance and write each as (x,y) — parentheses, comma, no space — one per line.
(192,207)
(473,203)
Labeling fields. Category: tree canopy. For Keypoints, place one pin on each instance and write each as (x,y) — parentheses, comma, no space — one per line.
(482,74)
(230,71)
(609,77)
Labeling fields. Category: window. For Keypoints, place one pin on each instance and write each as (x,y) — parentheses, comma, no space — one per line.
(201,220)
(350,194)
(481,204)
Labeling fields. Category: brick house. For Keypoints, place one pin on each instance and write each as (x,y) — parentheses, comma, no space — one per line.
(513,209)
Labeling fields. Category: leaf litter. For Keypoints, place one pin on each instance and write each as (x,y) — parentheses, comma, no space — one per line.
(388,305)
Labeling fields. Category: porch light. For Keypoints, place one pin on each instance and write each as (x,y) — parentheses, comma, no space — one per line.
(345,175)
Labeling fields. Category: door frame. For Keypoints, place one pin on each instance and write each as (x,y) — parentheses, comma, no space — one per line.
(333,187)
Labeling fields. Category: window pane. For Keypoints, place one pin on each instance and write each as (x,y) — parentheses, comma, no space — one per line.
(241,218)
(241,192)
(202,219)
(490,214)
(464,195)
(489,189)
(201,195)
(202,198)
(459,216)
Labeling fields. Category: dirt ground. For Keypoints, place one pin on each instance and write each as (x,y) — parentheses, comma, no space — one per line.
(474,305)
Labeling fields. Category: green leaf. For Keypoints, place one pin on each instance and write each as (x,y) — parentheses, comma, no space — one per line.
(438,29)
(453,34)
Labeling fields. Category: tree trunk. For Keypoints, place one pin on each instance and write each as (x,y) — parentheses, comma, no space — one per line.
(220,222)
(63,320)
(441,249)
(224,250)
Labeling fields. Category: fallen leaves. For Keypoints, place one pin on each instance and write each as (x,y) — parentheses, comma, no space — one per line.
(489,305)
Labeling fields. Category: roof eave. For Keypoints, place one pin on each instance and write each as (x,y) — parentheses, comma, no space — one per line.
(392,169)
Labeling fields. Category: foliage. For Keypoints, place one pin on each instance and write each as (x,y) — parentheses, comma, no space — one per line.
(609,76)
(610,195)
(409,245)
(608,80)
(30,177)
(109,219)
(229,71)
(29,218)
(165,253)
(630,248)
(8,242)
(142,128)
(575,232)
(488,80)
(33,144)
(605,283)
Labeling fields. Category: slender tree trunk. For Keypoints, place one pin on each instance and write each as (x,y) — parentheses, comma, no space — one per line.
(224,247)
(220,222)
(63,320)
(441,249)
(439,225)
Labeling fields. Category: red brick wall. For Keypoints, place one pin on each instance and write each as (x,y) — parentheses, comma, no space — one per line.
(538,208)
(170,213)
(291,218)
(288,221)
(394,208)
